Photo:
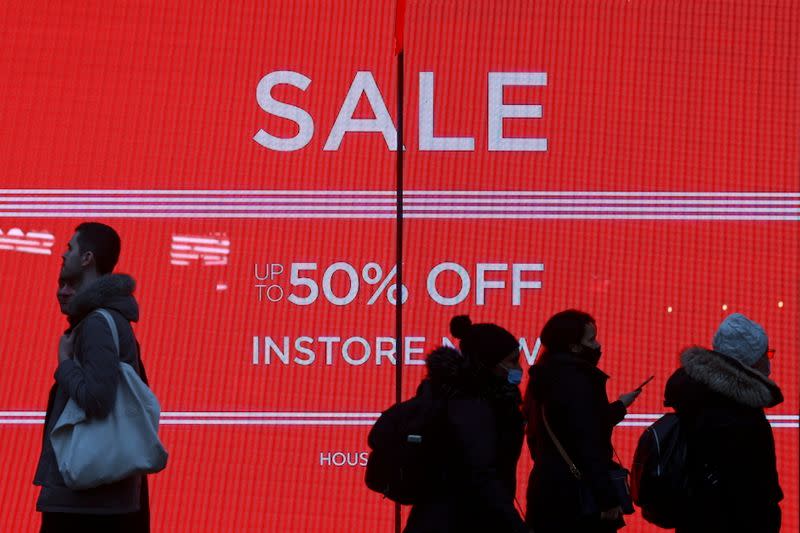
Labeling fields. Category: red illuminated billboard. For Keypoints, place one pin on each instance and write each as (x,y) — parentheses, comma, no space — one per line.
(638,160)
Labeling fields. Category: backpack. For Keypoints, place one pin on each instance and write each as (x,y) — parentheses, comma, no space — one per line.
(660,477)
(405,463)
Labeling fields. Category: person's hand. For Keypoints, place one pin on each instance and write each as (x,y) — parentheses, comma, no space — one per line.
(615,513)
(65,347)
(628,398)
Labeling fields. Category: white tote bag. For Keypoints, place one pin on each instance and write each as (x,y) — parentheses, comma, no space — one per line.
(94,452)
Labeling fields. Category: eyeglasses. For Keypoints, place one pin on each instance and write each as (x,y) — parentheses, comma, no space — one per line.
(770,353)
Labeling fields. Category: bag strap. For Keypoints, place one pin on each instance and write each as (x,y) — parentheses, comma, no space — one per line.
(112,325)
(115,335)
(572,468)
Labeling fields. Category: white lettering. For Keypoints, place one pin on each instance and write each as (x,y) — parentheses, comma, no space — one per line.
(280,109)
(363,83)
(447,342)
(498,111)
(483,283)
(329,348)
(427,141)
(516,280)
(311,356)
(270,346)
(307,351)
(433,291)
(381,352)
(346,351)
(256,349)
(342,459)
(530,356)
(410,351)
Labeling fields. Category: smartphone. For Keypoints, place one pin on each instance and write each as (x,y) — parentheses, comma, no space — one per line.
(648,380)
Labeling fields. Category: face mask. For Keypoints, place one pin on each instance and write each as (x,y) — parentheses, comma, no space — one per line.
(592,355)
(514,376)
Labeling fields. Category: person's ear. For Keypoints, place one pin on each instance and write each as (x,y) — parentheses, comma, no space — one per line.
(87,258)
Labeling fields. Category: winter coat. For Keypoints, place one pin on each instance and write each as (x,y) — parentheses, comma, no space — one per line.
(730,446)
(481,441)
(92,385)
(572,393)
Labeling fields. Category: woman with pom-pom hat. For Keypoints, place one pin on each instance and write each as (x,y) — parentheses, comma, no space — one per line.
(483,430)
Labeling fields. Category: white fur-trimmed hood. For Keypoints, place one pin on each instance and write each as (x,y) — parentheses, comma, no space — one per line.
(730,378)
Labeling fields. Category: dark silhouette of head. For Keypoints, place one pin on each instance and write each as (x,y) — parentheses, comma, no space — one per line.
(564,331)
(92,251)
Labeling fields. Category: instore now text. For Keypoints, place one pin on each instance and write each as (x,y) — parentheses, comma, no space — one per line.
(354,351)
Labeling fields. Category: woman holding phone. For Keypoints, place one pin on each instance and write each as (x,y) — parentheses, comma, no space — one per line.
(570,420)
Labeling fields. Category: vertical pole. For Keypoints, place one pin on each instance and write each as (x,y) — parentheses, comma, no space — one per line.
(399,256)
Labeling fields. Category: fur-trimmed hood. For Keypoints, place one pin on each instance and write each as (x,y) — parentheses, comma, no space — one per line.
(730,378)
(446,366)
(450,371)
(112,291)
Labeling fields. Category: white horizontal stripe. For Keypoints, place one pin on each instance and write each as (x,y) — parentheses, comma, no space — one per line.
(42,236)
(545,216)
(180,255)
(204,192)
(268,414)
(389,200)
(182,214)
(32,250)
(302,422)
(23,242)
(211,250)
(229,192)
(596,201)
(321,414)
(264,422)
(357,216)
(25,249)
(410,208)
(199,240)
(656,194)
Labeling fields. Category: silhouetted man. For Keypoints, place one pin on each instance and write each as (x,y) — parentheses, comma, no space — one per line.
(88,373)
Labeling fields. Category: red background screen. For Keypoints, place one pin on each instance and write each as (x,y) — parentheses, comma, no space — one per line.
(635,159)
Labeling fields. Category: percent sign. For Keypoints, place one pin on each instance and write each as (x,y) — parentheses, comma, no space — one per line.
(372,273)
